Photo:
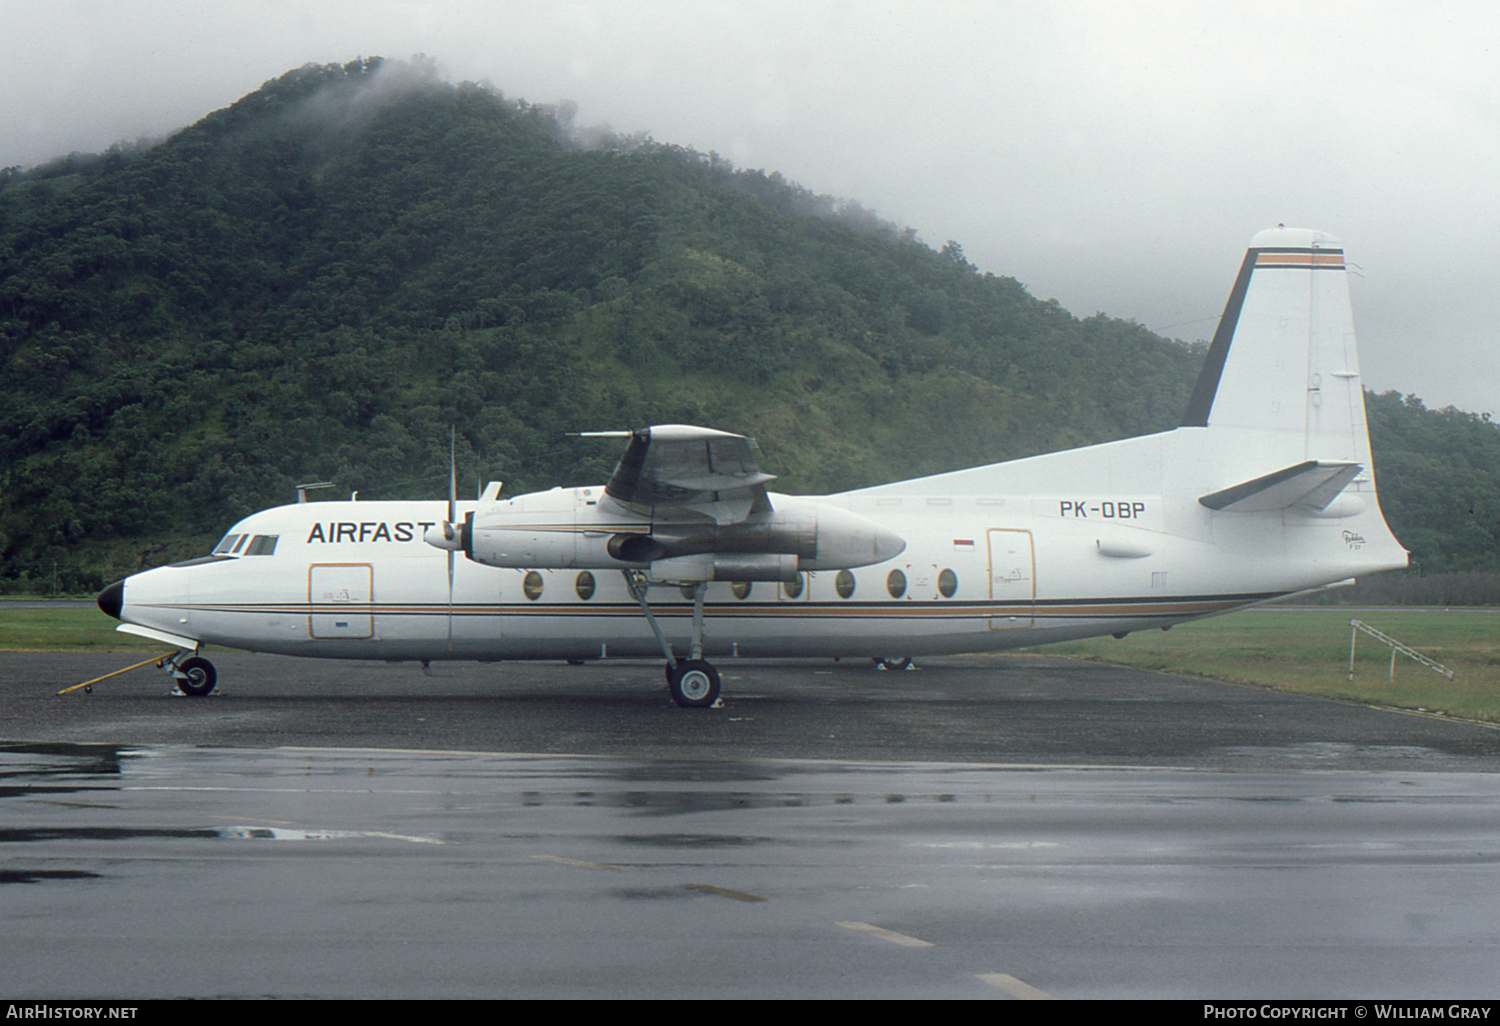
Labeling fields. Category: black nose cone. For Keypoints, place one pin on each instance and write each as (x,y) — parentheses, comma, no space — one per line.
(112,598)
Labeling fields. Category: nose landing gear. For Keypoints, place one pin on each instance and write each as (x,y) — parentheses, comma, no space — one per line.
(195,675)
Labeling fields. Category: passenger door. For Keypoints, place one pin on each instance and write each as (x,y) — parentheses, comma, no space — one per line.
(1012,578)
(339,599)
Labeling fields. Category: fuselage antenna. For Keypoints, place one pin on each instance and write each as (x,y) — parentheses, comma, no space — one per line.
(303,489)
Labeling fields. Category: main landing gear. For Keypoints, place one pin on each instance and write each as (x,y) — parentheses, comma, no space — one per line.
(693,682)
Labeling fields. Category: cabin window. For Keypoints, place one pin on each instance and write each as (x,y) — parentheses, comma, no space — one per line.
(262,545)
(895,583)
(792,588)
(948,583)
(741,589)
(844,584)
(584,585)
(532,585)
(228,544)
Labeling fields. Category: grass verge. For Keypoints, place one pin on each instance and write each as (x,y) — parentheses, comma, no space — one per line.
(1307,651)
(66,629)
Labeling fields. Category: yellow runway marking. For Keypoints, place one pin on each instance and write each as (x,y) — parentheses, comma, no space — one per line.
(889,935)
(576,862)
(1015,988)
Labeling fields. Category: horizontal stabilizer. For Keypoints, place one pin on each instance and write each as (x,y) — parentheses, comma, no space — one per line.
(1311,484)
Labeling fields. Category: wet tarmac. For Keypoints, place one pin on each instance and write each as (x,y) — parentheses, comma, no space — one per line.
(1004,828)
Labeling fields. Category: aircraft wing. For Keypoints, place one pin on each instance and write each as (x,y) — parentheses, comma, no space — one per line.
(1312,483)
(675,469)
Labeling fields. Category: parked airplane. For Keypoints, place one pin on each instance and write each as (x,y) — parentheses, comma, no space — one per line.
(1265,489)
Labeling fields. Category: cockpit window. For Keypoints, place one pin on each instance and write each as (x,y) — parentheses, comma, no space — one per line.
(257,545)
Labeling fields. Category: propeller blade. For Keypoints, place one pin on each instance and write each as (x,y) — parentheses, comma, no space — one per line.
(453,475)
(450,532)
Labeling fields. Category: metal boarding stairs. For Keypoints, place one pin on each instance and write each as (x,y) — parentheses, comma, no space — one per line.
(1356,626)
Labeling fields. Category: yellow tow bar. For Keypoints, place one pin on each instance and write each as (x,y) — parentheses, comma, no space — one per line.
(88,685)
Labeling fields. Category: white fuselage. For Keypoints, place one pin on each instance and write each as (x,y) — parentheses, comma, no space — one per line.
(354,580)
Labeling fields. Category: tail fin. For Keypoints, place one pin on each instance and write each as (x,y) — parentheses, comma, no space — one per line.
(1282,373)
(1281,398)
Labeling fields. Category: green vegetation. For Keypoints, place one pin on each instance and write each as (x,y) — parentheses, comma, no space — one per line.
(66,629)
(1439,478)
(317,281)
(1307,651)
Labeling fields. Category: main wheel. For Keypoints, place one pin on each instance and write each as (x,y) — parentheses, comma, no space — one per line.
(694,683)
(200,677)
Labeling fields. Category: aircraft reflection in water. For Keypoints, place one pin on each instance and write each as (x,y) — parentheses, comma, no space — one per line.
(1265,489)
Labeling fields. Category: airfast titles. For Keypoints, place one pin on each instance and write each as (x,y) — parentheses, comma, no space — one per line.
(368,531)
(1314,1011)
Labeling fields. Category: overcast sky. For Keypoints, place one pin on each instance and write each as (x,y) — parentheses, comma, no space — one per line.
(1116,156)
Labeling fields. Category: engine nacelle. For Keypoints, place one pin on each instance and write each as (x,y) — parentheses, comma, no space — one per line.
(775,533)
(846,540)
(550,531)
(562,549)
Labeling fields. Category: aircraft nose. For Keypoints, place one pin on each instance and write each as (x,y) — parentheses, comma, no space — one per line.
(112,599)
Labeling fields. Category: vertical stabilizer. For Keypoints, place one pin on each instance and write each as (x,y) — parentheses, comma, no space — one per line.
(1277,418)
(1282,374)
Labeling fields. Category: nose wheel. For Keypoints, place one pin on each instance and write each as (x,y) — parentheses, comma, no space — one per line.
(694,683)
(195,676)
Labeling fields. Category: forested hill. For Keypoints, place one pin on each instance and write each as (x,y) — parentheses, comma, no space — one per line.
(316,282)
